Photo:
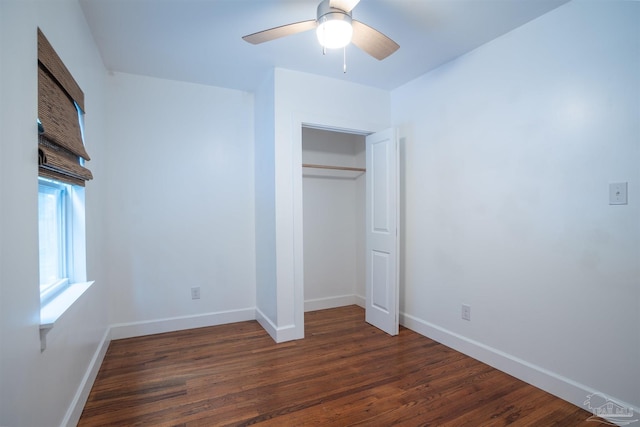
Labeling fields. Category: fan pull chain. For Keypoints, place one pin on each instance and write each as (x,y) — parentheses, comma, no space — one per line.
(344,60)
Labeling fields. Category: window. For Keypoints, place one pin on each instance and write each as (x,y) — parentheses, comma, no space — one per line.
(61,231)
(62,174)
(54,242)
(51,227)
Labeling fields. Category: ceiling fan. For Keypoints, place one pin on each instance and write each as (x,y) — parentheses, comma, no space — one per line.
(335,29)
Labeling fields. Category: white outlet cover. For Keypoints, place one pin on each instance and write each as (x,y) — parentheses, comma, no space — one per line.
(466,312)
(618,193)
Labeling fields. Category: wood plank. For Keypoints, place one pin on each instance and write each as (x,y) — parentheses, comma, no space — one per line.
(345,372)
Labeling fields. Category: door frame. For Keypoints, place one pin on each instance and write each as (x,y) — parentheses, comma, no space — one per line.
(330,123)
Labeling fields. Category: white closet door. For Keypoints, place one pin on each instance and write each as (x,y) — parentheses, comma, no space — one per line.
(382,265)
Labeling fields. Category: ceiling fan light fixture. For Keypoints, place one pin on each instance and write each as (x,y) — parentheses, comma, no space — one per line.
(334,30)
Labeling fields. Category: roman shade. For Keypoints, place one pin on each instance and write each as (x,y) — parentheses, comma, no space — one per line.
(61,151)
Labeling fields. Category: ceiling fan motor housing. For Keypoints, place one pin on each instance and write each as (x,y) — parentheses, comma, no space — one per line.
(328,13)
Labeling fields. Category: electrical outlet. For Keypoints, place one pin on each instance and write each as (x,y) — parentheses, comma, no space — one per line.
(466,312)
(618,193)
(195,292)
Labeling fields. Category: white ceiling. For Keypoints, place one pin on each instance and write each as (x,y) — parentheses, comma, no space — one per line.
(200,41)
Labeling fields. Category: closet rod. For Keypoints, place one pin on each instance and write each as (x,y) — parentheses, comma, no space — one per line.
(340,168)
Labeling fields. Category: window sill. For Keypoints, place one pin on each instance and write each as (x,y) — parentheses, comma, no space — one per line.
(54,309)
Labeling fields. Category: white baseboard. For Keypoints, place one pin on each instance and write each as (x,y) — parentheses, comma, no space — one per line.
(330,302)
(289,333)
(74,411)
(562,387)
(136,329)
(267,324)
(279,333)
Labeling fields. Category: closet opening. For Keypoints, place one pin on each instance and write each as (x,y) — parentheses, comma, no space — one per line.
(333,195)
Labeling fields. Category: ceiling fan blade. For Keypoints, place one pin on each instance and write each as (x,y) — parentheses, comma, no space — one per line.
(346,5)
(372,41)
(281,31)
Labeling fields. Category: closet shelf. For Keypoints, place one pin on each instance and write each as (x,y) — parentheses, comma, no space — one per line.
(340,168)
(328,171)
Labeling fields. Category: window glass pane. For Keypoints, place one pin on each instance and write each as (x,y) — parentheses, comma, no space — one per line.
(51,232)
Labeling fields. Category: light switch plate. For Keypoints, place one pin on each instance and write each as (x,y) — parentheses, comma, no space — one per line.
(466,312)
(618,193)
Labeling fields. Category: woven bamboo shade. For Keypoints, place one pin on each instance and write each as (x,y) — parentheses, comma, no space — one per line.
(48,57)
(59,116)
(53,159)
(60,143)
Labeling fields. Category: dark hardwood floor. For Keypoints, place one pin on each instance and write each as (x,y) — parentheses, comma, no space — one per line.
(344,373)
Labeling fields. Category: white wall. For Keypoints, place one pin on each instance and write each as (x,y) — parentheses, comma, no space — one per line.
(325,147)
(333,214)
(508,153)
(302,98)
(265,233)
(181,203)
(38,389)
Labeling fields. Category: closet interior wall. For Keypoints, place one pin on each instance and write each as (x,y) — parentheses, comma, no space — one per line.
(333,218)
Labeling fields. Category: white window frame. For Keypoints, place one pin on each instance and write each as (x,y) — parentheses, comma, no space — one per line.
(72,245)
